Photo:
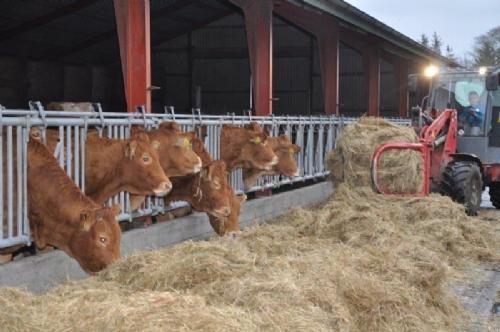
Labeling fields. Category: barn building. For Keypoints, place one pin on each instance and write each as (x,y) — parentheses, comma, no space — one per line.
(272,56)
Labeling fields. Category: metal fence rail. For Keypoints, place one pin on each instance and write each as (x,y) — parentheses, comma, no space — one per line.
(316,136)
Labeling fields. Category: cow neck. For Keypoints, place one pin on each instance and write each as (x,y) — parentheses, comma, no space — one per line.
(58,205)
(184,188)
(104,177)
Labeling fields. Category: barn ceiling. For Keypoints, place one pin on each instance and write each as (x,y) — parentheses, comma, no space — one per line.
(84,31)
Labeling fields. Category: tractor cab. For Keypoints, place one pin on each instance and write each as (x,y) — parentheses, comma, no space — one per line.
(476,98)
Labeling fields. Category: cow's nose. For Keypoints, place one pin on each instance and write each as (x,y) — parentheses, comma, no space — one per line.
(197,167)
(163,189)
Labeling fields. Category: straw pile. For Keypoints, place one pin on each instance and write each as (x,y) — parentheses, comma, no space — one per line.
(350,162)
(359,262)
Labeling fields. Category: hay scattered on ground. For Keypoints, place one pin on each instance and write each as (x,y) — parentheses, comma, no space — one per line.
(350,162)
(359,262)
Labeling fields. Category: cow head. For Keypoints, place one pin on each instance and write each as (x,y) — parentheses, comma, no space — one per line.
(256,152)
(141,166)
(247,148)
(212,192)
(96,242)
(230,225)
(286,151)
(177,157)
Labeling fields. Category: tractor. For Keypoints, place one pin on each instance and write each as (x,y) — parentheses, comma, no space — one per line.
(458,124)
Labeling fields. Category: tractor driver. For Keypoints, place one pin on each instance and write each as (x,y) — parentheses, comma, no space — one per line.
(472,115)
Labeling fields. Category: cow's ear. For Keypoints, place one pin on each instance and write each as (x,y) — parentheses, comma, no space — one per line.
(191,135)
(36,134)
(242,198)
(296,148)
(258,138)
(155,144)
(266,131)
(87,219)
(130,149)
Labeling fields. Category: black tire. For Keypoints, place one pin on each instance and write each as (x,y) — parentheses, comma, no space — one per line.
(463,182)
(495,194)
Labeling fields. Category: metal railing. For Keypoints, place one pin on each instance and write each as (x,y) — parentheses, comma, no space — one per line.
(316,135)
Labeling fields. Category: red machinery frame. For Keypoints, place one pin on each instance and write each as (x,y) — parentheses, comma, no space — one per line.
(438,144)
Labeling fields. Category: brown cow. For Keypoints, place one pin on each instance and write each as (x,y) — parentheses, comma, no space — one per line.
(176,154)
(287,165)
(230,225)
(222,225)
(61,216)
(207,191)
(113,166)
(70,107)
(247,148)
(177,157)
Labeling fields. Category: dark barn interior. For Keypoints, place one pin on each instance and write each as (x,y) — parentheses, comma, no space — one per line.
(69,50)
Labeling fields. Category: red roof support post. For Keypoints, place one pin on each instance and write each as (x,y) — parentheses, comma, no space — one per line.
(372,61)
(326,30)
(133,25)
(259,28)
(401,72)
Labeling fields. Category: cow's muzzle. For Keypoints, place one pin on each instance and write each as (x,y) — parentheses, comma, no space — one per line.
(164,188)
(273,162)
(197,167)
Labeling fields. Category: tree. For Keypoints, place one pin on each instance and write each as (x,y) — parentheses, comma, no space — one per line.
(487,48)
(450,54)
(436,43)
(424,40)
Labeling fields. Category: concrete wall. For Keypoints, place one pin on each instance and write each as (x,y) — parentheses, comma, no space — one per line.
(42,272)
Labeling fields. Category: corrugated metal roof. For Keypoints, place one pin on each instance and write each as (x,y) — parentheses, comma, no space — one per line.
(370,24)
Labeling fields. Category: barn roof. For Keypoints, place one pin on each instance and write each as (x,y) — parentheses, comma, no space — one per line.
(84,31)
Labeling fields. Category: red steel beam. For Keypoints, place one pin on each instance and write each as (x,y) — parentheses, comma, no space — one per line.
(401,72)
(133,25)
(372,63)
(326,30)
(259,28)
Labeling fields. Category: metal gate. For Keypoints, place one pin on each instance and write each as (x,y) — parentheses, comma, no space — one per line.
(316,136)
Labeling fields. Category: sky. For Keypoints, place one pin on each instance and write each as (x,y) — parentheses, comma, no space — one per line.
(456,22)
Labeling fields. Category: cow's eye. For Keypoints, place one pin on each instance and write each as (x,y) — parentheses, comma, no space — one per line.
(146,159)
(103,239)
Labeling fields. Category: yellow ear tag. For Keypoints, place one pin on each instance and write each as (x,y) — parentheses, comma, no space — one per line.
(186,143)
(257,140)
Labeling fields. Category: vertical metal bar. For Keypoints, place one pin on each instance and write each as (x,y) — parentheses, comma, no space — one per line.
(26,224)
(83,136)
(19,171)
(121,136)
(2,180)
(77,156)
(61,146)
(68,151)
(9,181)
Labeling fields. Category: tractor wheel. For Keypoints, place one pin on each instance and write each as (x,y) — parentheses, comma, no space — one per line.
(495,194)
(462,181)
